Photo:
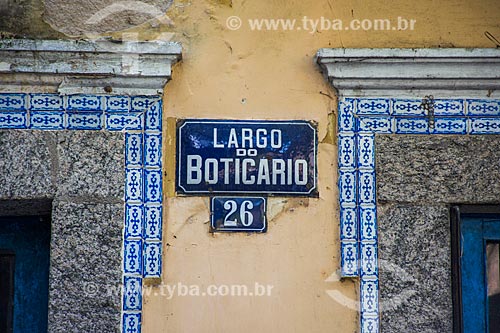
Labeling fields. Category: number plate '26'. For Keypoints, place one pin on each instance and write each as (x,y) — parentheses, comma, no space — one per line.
(238,214)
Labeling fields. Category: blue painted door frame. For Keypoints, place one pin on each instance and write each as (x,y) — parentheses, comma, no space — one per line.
(29,238)
(475,232)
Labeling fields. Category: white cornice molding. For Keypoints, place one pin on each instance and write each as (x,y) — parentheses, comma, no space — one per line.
(412,72)
(94,67)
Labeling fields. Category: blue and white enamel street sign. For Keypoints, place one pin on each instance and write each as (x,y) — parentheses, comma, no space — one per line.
(233,214)
(246,157)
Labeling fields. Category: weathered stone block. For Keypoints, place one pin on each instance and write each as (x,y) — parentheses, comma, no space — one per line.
(415,268)
(85,274)
(26,164)
(438,168)
(90,164)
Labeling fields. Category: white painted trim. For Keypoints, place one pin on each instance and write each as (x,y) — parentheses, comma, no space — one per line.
(412,72)
(70,66)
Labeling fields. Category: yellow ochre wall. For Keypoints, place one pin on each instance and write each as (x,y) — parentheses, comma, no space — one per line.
(248,74)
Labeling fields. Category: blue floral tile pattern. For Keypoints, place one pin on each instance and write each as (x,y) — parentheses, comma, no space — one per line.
(117,103)
(485,126)
(119,121)
(366,151)
(85,121)
(152,186)
(369,297)
(348,223)
(152,258)
(46,102)
(449,107)
(366,187)
(349,258)
(139,117)
(407,107)
(359,120)
(369,259)
(13,102)
(373,106)
(368,222)
(369,324)
(450,126)
(133,252)
(412,126)
(153,227)
(47,120)
(134,220)
(84,103)
(13,119)
(153,149)
(483,108)
(134,188)
(131,322)
(132,293)
(140,103)
(347,150)
(153,117)
(133,149)
(347,187)
(374,124)
(346,121)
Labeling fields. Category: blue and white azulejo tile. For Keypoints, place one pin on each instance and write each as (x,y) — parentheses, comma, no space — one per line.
(349,258)
(46,102)
(48,120)
(373,106)
(134,220)
(131,322)
(347,150)
(152,259)
(117,103)
(13,102)
(132,256)
(13,120)
(152,227)
(84,103)
(132,293)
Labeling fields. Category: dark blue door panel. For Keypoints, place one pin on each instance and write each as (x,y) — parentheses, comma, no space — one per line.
(475,233)
(29,239)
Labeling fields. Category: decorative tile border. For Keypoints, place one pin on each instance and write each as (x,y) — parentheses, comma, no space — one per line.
(359,120)
(140,118)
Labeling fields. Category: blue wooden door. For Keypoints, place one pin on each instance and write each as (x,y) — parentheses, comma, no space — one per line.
(480,311)
(24,252)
